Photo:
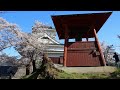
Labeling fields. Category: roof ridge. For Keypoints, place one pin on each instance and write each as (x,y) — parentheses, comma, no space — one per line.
(55,41)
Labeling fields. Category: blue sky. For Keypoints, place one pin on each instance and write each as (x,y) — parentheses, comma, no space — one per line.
(25,19)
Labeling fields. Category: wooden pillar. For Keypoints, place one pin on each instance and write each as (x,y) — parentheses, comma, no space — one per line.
(86,38)
(96,38)
(65,46)
(87,35)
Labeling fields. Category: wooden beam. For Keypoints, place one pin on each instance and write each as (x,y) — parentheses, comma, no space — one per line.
(100,50)
(65,46)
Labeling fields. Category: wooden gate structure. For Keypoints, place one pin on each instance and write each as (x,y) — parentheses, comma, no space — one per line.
(79,26)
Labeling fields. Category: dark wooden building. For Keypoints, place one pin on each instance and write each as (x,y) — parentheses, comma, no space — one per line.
(79,26)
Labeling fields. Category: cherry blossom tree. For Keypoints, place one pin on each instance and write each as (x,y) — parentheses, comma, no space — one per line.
(108,52)
(33,46)
(28,45)
(5,59)
(9,34)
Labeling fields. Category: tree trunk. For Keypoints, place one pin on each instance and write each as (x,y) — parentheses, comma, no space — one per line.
(33,63)
(27,69)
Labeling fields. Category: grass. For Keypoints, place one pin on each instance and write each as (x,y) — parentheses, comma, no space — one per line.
(115,75)
(64,75)
(49,72)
